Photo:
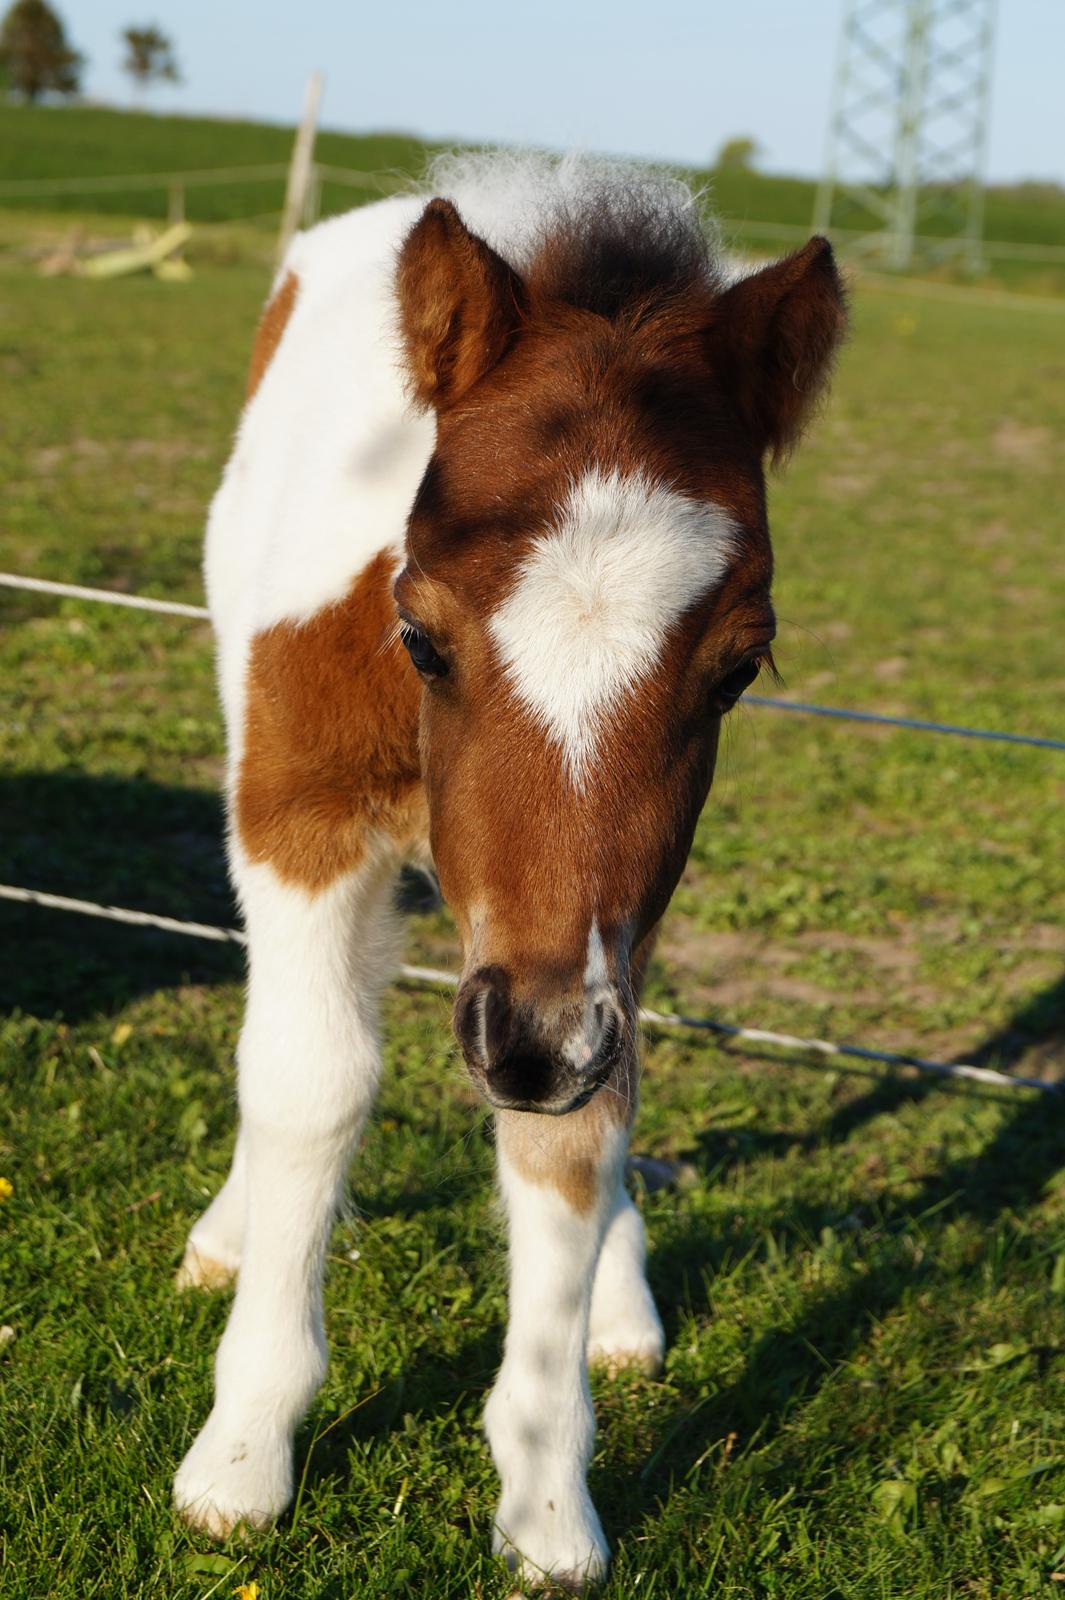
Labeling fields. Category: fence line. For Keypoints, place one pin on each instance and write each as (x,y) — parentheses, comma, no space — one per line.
(204,178)
(111,597)
(1002,249)
(141,602)
(826,1048)
(844,715)
(385,182)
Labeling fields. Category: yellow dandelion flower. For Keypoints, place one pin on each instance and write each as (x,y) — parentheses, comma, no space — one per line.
(7,1188)
(247,1591)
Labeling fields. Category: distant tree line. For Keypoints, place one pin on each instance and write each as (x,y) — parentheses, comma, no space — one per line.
(37,57)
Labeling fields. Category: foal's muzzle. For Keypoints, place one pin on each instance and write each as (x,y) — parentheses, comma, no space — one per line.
(544,1058)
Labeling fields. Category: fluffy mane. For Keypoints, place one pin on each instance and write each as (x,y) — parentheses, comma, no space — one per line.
(594,233)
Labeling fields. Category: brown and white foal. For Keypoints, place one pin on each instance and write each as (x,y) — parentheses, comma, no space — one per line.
(488,565)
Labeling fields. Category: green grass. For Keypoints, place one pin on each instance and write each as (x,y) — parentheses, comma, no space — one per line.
(48,142)
(863,1281)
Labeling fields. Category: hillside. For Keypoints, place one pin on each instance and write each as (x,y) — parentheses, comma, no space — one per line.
(55,142)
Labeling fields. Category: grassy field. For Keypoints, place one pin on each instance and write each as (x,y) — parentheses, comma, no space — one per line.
(862,1277)
(48,142)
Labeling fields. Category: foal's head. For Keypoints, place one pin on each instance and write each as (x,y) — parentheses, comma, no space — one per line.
(586,593)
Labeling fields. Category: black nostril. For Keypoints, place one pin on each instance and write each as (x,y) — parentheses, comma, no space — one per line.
(496,1023)
(482,1016)
(524,1075)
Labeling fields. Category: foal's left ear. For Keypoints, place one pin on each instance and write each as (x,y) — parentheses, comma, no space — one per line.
(459,304)
(778,332)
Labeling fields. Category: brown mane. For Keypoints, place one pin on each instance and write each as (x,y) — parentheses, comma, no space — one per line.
(623,252)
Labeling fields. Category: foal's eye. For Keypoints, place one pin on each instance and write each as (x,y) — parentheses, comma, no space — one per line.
(420,649)
(731,688)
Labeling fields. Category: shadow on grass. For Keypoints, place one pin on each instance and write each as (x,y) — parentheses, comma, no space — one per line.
(433,1385)
(1035,1033)
(789,1365)
(127,842)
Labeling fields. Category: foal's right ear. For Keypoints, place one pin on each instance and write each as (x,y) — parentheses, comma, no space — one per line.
(459,305)
(779,330)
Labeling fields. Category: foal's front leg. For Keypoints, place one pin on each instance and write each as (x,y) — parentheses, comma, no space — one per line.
(308,1069)
(559,1178)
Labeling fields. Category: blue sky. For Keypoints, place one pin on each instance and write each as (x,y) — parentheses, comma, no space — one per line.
(670,79)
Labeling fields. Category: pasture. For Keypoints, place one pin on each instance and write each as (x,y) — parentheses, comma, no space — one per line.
(862,1276)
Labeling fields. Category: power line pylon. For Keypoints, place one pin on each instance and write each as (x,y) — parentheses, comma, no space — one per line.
(907,142)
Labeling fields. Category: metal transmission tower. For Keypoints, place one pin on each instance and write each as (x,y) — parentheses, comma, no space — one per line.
(908,132)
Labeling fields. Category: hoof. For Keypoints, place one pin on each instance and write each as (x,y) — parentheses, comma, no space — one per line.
(228,1483)
(200,1271)
(552,1559)
(203,1516)
(646,1360)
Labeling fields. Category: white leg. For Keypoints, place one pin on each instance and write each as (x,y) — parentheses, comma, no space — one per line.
(213,1250)
(539,1417)
(308,1069)
(624,1328)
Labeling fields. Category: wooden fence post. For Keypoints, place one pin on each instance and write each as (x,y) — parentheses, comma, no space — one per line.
(300,169)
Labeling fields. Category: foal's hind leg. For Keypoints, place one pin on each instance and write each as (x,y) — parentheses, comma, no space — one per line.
(213,1250)
(308,1061)
(624,1327)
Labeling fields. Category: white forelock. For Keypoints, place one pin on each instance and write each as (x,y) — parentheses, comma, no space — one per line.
(515,198)
(596,597)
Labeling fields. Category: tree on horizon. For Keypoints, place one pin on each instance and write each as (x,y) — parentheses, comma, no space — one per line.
(739,154)
(36,56)
(149,57)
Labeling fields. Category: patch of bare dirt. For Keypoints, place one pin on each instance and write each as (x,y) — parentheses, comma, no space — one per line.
(82,453)
(1029,977)
(990,534)
(845,485)
(1025,443)
(728,968)
(894,953)
(819,680)
(1042,936)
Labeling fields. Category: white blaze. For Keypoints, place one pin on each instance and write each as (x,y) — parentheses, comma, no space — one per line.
(596,597)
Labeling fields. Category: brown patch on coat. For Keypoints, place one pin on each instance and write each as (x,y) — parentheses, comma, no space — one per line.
(272,325)
(566,1153)
(331,737)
